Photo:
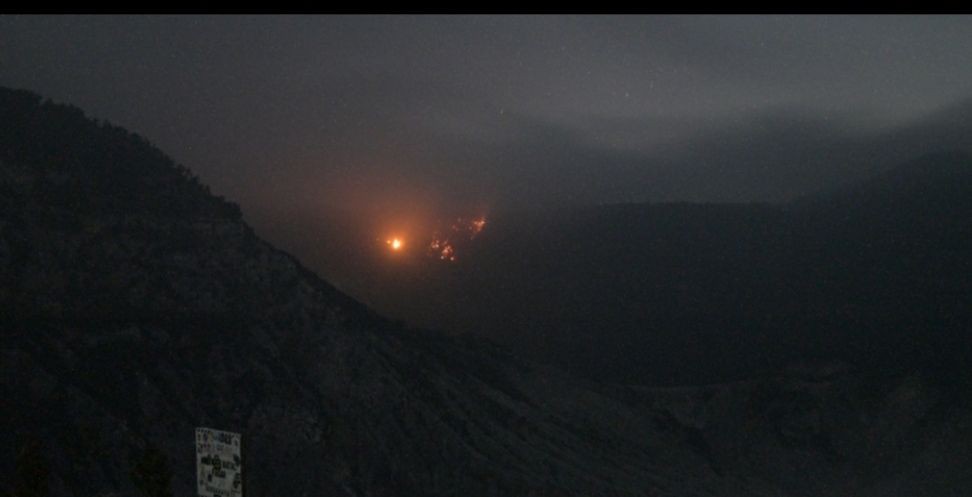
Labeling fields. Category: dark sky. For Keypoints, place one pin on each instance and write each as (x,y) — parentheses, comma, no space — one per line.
(404,118)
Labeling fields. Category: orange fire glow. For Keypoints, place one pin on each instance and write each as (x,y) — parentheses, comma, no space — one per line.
(448,241)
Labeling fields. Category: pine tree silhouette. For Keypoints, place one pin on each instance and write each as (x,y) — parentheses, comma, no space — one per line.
(151,473)
(31,471)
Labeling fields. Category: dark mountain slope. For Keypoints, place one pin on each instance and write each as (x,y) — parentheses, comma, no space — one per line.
(895,253)
(137,307)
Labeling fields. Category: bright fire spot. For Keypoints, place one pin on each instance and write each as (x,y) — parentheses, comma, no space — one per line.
(447,253)
(448,242)
(477,225)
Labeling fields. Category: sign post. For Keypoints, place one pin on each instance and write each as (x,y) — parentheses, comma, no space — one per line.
(219,463)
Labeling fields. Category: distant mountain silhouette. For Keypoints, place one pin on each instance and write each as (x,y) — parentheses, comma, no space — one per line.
(941,180)
(877,273)
(135,306)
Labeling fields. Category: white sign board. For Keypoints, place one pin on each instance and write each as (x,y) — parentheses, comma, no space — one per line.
(219,463)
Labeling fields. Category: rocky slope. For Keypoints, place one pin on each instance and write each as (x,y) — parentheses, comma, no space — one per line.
(137,306)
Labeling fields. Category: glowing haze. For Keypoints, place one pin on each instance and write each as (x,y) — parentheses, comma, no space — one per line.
(334,131)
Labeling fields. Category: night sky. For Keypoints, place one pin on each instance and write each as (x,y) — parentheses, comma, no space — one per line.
(393,121)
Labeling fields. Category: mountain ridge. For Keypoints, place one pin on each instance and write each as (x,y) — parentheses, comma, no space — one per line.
(220,329)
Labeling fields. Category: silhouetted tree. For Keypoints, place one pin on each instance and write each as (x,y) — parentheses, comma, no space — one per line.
(151,473)
(32,471)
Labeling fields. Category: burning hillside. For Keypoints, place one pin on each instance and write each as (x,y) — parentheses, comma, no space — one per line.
(446,241)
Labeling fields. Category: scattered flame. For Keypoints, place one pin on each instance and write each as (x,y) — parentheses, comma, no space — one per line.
(446,242)
(443,246)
